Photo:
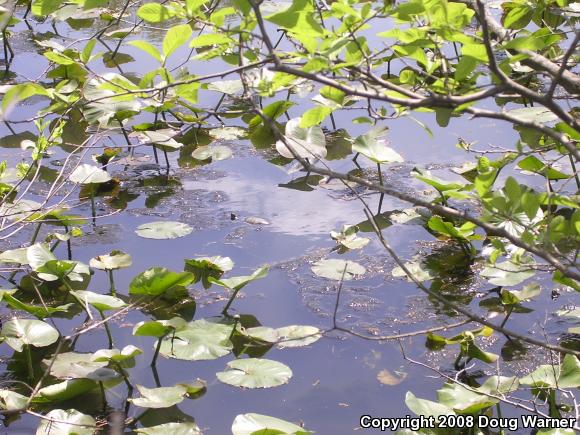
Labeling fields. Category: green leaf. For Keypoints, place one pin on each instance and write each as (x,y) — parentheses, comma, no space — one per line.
(348,237)
(205,267)
(69,422)
(249,424)
(186,428)
(308,143)
(533,164)
(426,407)
(73,365)
(215,153)
(148,48)
(21,92)
(208,39)
(159,328)
(507,273)
(566,375)
(175,37)
(255,373)
(100,302)
(516,296)
(163,397)
(18,333)
(11,400)
(338,269)
(416,269)
(239,282)
(158,280)
(112,261)
(463,400)
(65,390)
(89,174)
(154,12)
(198,340)
(314,116)
(534,114)
(373,147)
(161,230)
(45,7)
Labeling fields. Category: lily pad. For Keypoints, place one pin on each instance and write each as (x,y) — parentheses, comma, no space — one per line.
(187,428)
(507,273)
(67,422)
(348,237)
(215,152)
(18,333)
(199,340)
(158,280)
(249,424)
(373,147)
(238,282)
(416,270)
(161,230)
(89,174)
(164,397)
(100,302)
(255,373)
(11,400)
(112,261)
(308,143)
(338,269)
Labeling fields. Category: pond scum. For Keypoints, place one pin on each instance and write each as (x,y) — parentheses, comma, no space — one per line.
(108,103)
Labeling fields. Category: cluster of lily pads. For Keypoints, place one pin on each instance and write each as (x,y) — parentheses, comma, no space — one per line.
(58,288)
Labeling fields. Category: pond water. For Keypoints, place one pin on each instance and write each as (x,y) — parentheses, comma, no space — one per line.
(335,379)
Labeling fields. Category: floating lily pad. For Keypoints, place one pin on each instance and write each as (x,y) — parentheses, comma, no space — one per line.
(164,397)
(11,400)
(67,422)
(416,269)
(255,373)
(199,340)
(338,269)
(89,174)
(163,230)
(187,428)
(251,424)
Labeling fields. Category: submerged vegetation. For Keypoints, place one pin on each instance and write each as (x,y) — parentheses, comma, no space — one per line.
(315,87)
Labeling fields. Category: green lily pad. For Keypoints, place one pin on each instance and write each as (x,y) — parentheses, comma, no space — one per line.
(67,422)
(162,230)
(100,302)
(18,333)
(164,397)
(187,428)
(11,400)
(418,272)
(214,152)
(158,280)
(255,373)
(112,261)
(199,340)
(308,143)
(251,424)
(507,273)
(158,328)
(238,282)
(89,174)
(338,269)
(348,237)
(373,147)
